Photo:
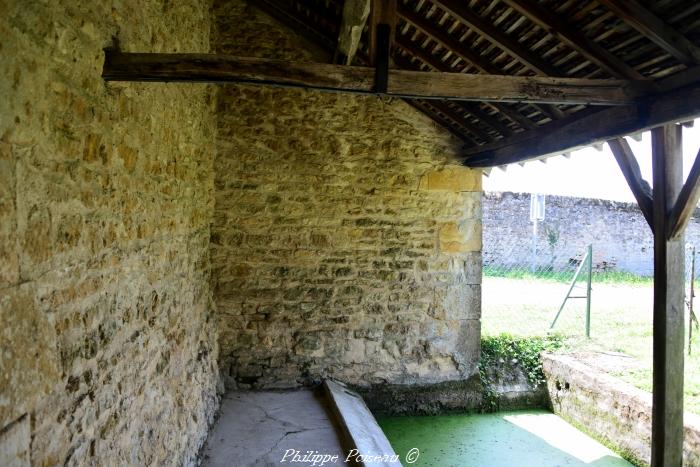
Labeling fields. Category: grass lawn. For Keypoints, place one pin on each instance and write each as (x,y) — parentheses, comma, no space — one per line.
(621,322)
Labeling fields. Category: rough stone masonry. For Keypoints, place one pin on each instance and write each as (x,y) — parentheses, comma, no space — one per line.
(107,339)
(143,227)
(345,243)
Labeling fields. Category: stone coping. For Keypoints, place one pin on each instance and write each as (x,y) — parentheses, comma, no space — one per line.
(612,410)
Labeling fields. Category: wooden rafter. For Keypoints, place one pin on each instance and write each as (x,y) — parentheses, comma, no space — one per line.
(654,28)
(590,127)
(464,13)
(463,52)
(574,39)
(444,39)
(471,107)
(459,119)
(425,108)
(401,83)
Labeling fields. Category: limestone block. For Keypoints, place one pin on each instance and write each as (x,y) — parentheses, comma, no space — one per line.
(451,178)
(460,237)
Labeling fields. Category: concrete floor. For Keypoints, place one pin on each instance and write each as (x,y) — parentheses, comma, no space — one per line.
(259,428)
(531,438)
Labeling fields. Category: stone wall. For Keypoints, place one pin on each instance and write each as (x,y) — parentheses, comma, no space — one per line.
(620,235)
(345,243)
(107,340)
(611,410)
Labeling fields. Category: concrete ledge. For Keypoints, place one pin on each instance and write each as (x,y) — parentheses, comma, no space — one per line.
(361,435)
(425,399)
(610,409)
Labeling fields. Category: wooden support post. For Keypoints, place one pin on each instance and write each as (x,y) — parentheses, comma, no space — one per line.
(667,406)
(383,12)
(381,74)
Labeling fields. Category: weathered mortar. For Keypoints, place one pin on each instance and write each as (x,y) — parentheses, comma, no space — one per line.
(345,243)
(107,340)
(620,236)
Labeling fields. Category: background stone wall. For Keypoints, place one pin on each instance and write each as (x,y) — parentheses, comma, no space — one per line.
(619,233)
(343,243)
(107,343)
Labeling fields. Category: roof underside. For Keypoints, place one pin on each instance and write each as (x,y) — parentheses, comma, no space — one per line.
(558,38)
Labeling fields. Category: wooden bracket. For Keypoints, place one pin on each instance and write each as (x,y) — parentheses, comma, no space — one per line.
(630,169)
(687,201)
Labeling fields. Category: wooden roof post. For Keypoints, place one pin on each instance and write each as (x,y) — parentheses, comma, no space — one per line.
(381,35)
(669,285)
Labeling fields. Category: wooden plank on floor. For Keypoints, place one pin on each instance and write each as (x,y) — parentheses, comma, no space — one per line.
(358,425)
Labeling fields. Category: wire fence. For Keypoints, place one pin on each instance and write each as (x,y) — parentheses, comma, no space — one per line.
(532,247)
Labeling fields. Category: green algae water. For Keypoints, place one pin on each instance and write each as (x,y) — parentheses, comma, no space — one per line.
(534,438)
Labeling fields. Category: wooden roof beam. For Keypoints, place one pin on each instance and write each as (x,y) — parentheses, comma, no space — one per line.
(473,108)
(655,29)
(120,66)
(574,39)
(355,14)
(579,131)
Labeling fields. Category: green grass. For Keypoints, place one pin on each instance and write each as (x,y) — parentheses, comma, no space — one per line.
(621,322)
(606,277)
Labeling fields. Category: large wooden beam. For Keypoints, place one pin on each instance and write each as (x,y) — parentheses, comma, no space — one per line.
(355,14)
(401,83)
(596,127)
(687,201)
(654,28)
(669,304)
(630,169)
(587,47)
